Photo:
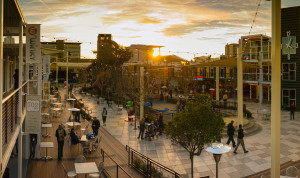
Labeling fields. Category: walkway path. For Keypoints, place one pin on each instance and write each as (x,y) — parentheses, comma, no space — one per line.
(231,166)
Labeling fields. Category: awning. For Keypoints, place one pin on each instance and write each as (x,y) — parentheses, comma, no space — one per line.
(71,65)
(47,51)
(229,62)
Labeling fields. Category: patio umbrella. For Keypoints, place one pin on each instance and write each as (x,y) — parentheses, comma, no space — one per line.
(211,89)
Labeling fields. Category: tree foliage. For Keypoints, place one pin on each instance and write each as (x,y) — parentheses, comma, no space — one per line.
(196,126)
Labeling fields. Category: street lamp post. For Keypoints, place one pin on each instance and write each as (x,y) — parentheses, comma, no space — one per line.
(217,149)
(67,73)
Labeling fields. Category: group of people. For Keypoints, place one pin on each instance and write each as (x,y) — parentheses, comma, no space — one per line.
(74,139)
(240,139)
(145,120)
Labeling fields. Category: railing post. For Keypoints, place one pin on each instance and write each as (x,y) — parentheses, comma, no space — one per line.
(132,159)
(150,169)
(117,170)
(128,155)
(147,173)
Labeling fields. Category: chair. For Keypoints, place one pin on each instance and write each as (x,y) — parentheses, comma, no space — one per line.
(80,159)
(100,167)
(292,171)
(69,173)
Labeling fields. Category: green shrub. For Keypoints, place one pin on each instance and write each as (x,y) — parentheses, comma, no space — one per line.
(248,113)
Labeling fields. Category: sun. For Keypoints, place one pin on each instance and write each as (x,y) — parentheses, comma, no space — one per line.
(155,52)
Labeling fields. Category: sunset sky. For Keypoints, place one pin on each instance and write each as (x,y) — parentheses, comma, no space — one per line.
(185,27)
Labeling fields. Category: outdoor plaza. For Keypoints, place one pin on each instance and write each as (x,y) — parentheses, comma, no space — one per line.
(231,165)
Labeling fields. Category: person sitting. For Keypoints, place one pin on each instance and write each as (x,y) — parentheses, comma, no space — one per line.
(147,120)
(74,137)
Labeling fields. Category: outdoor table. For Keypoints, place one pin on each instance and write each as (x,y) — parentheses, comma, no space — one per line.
(119,110)
(86,168)
(72,124)
(52,96)
(72,101)
(52,100)
(286,177)
(46,145)
(73,110)
(46,126)
(57,104)
(46,117)
(56,111)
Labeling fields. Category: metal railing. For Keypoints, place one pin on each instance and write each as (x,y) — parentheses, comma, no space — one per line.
(119,170)
(147,166)
(228,108)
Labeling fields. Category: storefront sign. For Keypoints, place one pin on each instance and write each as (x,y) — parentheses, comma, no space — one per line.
(198,77)
(33,114)
(46,90)
(33,43)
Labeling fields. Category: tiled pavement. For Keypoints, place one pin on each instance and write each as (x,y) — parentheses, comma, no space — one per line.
(230,166)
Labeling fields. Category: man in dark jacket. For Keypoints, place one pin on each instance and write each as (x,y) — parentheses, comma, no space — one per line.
(240,139)
(230,133)
(95,126)
(74,137)
(60,135)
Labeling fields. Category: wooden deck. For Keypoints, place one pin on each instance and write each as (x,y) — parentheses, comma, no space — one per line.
(53,168)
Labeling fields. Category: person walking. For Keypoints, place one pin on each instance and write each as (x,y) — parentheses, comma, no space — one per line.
(70,89)
(33,142)
(60,135)
(292,108)
(240,139)
(142,128)
(104,115)
(77,113)
(230,133)
(160,123)
(95,126)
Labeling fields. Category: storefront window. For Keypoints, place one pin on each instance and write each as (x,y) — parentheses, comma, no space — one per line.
(288,71)
(288,97)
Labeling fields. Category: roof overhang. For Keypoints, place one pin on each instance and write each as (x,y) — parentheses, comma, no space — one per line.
(70,65)
(12,18)
(229,62)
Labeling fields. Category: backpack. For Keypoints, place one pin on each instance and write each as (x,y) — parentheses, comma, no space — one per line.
(61,135)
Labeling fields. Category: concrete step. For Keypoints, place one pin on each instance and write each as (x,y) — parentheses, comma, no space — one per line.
(250,127)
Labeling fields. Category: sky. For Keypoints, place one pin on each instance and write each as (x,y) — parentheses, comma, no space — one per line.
(186,28)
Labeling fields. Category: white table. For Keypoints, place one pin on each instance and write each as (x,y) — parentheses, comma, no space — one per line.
(52,100)
(57,104)
(73,110)
(286,177)
(46,145)
(86,168)
(46,126)
(119,110)
(72,101)
(46,117)
(72,124)
(57,110)
(52,96)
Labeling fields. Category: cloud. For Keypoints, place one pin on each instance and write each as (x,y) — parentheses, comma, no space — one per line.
(150,20)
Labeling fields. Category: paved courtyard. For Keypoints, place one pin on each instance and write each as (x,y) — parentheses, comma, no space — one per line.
(177,158)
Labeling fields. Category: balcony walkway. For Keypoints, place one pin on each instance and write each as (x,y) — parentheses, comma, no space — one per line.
(53,168)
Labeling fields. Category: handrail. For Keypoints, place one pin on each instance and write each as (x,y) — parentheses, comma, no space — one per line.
(118,166)
(15,91)
(129,149)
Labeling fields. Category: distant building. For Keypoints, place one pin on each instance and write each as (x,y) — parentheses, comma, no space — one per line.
(231,49)
(256,50)
(290,32)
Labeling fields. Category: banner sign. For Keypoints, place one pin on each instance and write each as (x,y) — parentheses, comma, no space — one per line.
(46,90)
(33,114)
(46,64)
(33,43)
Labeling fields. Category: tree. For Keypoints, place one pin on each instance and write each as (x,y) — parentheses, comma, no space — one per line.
(196,126)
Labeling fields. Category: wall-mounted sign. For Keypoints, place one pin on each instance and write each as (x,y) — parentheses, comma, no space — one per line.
(198,77)
(46,64)
(33,43)
(33,114)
